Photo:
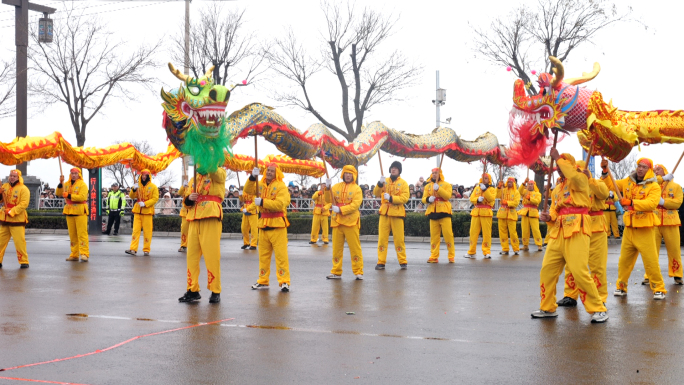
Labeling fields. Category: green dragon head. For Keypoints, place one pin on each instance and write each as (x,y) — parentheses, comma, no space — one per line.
(195,119)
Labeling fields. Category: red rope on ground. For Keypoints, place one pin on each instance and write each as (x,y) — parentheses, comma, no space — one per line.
(46,382)
(115,346)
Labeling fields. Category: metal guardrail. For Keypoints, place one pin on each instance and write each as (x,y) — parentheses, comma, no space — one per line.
(232,205)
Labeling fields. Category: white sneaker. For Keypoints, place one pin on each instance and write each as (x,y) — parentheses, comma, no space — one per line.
(333,276)
(258,286)
(658,295)
(359,277)
(620,293)
(471,256)
(285,288)
(487,256)
(599,317)
(544,314)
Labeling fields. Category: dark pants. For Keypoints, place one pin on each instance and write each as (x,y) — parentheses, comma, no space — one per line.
(114,218)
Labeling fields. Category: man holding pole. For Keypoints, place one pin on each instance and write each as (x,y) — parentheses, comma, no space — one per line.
(570,240)
(531,198)
(507,215)
(483,197)
(75,193)
(14,200)
(639,195)
(394,192)
(249,221)
(184,192)
(436,195)
(146,195)
(611,211)
(321,214)
(345,198)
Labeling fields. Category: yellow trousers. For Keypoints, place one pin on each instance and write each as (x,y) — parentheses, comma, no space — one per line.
(674,257)
(573,252)
(319,222)
(142,222)
(204,239)
(351,235)
(185,225)
(507,229)
(438,228)
(527,224)
(598,260)
(271,241)
(549,225)
(611,220)
(78,235)
(637,240)
(478,224)
(249,225)
(396,226)
(17,233)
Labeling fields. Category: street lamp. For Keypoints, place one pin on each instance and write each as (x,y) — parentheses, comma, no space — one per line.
(440,99)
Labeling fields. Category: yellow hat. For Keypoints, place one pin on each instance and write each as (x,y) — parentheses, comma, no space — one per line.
(350,169)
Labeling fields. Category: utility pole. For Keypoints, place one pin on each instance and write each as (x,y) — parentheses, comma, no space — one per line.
(186,69)
(440,99)
(21,33)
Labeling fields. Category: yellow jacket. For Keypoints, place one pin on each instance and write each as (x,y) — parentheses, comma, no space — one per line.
(530,201)
(13,204)
(211,189)
(276,198)
(148,194)
(489,199)
(672,195)
(510,198)
(645,197)
(399,192)
(348,197)
(247,201)
(442,196)
(184,192)
(610,202)
(572,193)
(598,195)
(321,207)
(77,203)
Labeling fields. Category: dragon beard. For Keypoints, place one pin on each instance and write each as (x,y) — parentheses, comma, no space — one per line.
(527,145)
(208,153)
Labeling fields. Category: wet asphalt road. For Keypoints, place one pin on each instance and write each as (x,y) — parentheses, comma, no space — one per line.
(467,322)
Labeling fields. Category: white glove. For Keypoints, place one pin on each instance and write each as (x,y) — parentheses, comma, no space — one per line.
(668,177)
(381,180)
(240,193)
(480,199)
(244,210)
(328,182)
(610,195)
(255,172)
(185,185)
(257,201)
(435,186)
(136,186)
(483,187)
(387,196)
(431,199)
(336,209)
(141,204)
(662,201)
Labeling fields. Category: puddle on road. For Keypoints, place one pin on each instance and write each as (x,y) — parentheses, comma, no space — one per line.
(11,329)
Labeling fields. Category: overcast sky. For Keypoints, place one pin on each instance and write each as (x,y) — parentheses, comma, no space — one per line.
(639,72)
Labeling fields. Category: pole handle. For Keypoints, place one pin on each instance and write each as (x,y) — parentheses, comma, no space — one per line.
(548,185)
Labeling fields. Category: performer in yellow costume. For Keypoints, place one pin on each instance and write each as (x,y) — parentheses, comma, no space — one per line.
(436,195)
(271,201)
(483,197)
(345,199)
(14,199)
(75,193)
(569,244)
(640,198)
(394,192)
(250,222)
(667,212)
(508,216)
(611,211)
(146,195)
(531,198)
(598,245)
(321,214)
(205,219)
(550,223)
(184,191)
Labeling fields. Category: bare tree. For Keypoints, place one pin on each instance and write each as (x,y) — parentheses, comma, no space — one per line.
(624,167)
(219,39)
(7,82)
(84,69)
(126,177)
(552,28)
(367,76)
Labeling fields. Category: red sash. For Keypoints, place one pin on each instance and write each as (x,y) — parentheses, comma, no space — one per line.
(69,201)
(438,199)
(628,208)
(574,210)
(595,213)
(212,198)
(483,206)
(10,205)
(531,206)
(271,214)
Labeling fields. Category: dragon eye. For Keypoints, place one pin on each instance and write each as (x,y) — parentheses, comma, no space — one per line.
(194,90)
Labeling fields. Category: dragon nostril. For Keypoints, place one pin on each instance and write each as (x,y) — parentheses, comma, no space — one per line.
(212,95)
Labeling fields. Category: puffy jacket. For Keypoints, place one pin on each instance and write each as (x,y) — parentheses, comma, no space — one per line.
(348,197)
(442,196)
(211,190)
(530,201)
(276,198)
(572,193)
(321,207)
(484,208)
(148,194)
(77,200)
(510,198)
(399,193)
(13,204)
(645,196)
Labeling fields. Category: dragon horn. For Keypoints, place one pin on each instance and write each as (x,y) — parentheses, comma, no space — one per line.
(585,76)
(558,72)
(177,73)
(209,72)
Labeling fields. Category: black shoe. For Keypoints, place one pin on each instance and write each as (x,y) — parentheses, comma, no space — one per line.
(0,265)
(190,296)
(252,247)
(404,266)
(379,267)
(678,281)
(105,233)
(325,243)
(24,266)
(645,281)
(244,247)
(115,234)
(567,302)
(215,298)
(312,242)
